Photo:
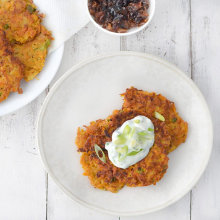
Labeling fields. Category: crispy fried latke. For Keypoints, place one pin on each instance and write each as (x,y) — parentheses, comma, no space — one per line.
(20,20)
(24,52)
(33,54)
(151,102)
(11,69)
(109,177)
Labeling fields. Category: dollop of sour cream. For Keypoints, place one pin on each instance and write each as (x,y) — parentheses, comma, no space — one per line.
(131,142)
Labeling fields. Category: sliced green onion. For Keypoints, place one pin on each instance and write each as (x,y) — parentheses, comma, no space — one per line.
(142,133)
(127,130)
(46,45)
(137,121)
(159,116)
(99,150)
(120,140)
(113,179)
(132,133)
(132,153)
(140,170)
(6,26)
(174,120)
(133,143)
(31,9)
(121,157)
(122,152)
(150,129)
(149,138)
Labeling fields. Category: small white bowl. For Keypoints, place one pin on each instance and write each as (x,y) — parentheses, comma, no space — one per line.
(131,31)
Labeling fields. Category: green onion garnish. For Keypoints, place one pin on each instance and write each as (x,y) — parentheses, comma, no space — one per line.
(99,150)
(150,129)
(122,152)
(121,157)
(120,140)
(133,143)
(31,9)
(6,26)
(174,120)
(137,121)
(142,136)
(140,170)
(127,130)
(142,133)
(159,116)
(132,133)
(113,179)
(46,45)
(132,153)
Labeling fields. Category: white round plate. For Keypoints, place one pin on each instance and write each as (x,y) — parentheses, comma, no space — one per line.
(90,91)
(35,87)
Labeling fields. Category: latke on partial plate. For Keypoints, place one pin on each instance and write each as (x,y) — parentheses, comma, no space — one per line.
(25,52)
(20,20)
(33,54)
(11,69)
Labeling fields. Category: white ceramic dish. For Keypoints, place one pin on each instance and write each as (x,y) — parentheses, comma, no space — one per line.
(35,87)
(90,91)
(130,31)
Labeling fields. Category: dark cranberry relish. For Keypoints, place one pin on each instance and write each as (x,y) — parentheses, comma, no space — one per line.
(119,15)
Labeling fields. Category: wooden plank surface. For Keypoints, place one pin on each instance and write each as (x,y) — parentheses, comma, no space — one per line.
(183,32)
(168,36)
(22,185)
(205,72)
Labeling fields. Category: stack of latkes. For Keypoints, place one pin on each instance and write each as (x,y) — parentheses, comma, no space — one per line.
(170,131)
(24,43)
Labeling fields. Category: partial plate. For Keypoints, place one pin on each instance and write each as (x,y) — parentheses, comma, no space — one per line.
(90,91)
(35,87)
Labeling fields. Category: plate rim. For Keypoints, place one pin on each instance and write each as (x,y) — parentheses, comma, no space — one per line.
(60,50)
(100,57)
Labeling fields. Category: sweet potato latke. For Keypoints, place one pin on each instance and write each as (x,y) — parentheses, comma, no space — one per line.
(11,69)
(148,171)
(20,20)
(33,54)
(24,44)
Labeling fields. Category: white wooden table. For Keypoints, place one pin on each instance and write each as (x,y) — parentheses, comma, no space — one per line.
(184,32)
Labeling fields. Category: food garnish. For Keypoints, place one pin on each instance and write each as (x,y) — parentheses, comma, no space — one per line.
(159,116)
(99,151)
(131,142)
